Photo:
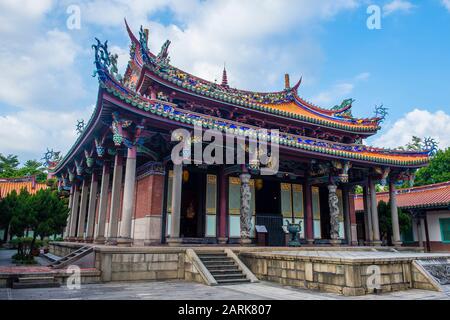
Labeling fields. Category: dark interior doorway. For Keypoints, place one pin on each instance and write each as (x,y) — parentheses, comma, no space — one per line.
(267,197)
(192,205)
(268,210)
(360,226)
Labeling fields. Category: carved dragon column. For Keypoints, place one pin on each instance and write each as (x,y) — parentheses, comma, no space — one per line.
(246,222)
(333,202)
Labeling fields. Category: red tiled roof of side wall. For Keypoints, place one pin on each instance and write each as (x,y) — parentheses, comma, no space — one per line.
(7,186)
(434,195)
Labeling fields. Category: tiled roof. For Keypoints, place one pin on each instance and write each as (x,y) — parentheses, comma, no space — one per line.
(435,195)
(284,103)
(8,185)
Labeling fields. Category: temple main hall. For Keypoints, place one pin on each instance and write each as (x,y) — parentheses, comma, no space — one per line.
(126,190)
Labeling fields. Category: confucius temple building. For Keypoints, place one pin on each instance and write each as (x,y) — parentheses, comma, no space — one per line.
(126,190)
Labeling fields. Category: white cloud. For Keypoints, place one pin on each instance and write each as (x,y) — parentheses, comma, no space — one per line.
(339,91)
(446,4)
(397,6)
(16,15)
(250,36)
(40,72)
(28,133)
(420,123)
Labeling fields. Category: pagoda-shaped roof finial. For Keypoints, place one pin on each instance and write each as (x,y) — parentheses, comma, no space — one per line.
(224,77)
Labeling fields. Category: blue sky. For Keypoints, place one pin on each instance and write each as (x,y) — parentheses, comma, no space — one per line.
(46,83)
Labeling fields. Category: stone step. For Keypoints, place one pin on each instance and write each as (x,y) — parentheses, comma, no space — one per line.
(209,256)
(35,285)
(223,268)
(225,276)
(35,279)
(218,261)
(224,271)
(233,281)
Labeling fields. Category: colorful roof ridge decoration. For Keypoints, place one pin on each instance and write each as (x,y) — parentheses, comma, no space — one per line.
(429,196)
(7,185)
(339,117)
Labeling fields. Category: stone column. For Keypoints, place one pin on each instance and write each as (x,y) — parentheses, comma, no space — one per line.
(347,219)
(103,204)
(222,236)
(125,238)
(91,208)
(74,213)
(352,213)
(83,207)
(374,210)
(419,231)
(176,205)
(115,199)
(246,215)
(394,214)
(309,219)
(69,206)
(333,202)
(367,215)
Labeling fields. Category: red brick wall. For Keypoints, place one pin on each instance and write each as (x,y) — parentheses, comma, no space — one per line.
(149,194)
(143,195)
(439,246)
(157,193)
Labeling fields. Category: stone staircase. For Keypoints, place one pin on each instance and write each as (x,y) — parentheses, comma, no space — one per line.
(35,281)
(72,257)
(222,267)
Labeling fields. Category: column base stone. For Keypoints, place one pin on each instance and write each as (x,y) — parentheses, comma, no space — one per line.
(221,240)
(174,242)
(397,243)
(310,241)
(100,240)
(245,242)
(111,241)
(89,240)
(335,242)
(124,242)
(376,243)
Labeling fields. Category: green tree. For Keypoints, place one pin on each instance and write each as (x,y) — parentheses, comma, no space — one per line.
(32,168)
(8,165)
(44,213)
(385,221)
(7,206)
(437,171)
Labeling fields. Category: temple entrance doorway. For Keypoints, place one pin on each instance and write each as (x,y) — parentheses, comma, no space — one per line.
(268,210)
(192,205)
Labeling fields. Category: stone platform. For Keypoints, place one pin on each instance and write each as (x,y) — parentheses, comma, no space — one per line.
(343,270)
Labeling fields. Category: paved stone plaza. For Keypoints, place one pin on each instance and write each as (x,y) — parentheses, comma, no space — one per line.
(181,290)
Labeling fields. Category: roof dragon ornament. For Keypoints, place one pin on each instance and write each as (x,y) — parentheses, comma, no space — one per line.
(381,112)
(430,145)
(143,41)
(345,109)
(102,59)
